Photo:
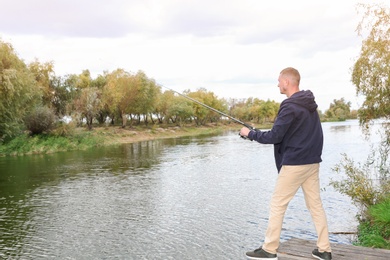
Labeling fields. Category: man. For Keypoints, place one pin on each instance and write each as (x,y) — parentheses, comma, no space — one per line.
(298,140)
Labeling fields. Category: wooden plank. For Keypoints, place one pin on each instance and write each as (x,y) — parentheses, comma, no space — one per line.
(296,249)
(291,257)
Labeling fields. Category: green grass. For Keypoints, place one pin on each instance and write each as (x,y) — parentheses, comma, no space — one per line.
(67,139)
(381,212)
(375,231)
(25,144)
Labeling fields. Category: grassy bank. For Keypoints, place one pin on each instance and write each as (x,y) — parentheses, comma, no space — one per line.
(82,139)
(375,230)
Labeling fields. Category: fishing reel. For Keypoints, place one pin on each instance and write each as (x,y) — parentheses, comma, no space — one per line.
(246,137)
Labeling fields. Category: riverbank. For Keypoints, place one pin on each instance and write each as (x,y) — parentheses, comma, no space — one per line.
(117,135)
(82,139)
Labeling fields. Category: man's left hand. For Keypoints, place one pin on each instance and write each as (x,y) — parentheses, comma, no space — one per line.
(244,132)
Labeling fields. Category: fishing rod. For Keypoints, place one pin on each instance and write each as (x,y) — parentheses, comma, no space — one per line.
(212,109)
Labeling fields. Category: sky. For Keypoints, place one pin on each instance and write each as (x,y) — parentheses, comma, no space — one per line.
(233,48)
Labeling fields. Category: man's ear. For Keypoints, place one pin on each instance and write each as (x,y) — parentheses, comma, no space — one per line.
(286,81)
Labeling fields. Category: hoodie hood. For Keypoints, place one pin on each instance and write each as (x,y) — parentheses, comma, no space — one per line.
(303,98)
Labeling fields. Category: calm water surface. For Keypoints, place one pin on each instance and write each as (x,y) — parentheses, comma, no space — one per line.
(185,198)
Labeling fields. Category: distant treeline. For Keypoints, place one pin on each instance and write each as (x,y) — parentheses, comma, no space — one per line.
(33,98)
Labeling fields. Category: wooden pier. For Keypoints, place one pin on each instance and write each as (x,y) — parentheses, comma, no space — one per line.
(299,249)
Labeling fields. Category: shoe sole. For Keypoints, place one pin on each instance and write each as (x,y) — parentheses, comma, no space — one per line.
(258,258)
(317,257)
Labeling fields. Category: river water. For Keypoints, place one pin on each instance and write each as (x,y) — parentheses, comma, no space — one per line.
(185,198)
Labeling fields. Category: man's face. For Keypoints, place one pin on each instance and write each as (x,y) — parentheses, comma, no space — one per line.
(282,83)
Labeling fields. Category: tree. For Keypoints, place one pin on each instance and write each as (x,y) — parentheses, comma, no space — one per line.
(88,104)
(84,79)
(180,110)
(99,82)
(65,92)
(371,71)
(218,104)
(371,76)
(146,95)
(164,102)
(120,94)
(264,111)
(370,184)
(239,109)
(254,109)
(44,74)
(201,113)
(339,110)
(18,92)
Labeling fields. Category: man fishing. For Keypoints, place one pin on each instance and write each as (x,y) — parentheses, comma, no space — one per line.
(298,140)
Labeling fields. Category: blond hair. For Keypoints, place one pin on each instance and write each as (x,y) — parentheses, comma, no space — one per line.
(292,74)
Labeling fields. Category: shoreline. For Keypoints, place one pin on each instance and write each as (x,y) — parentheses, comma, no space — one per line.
(83,139)
(118,135)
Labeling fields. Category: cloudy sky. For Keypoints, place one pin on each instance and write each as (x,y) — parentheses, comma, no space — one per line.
(234,48)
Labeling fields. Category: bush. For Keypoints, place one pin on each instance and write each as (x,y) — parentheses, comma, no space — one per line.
(64,129)
(368,186)
(358,185)
(40,120)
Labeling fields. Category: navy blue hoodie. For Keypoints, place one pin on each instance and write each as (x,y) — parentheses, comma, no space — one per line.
(296,134)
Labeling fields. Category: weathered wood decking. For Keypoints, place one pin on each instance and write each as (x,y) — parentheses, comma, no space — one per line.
(299,249)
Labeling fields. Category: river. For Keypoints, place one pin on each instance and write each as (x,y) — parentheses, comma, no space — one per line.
(184,198)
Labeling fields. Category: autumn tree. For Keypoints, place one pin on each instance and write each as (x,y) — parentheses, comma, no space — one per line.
(370,184)
(218,104)
(371,76)
(180,110)
(371,71)
(146,96)
(201,113)
(120,94)
(84,79)
(270,110)
(44,74)
(99,82)
(87,98)
(263,111)
(88,104)
(164,101)
(18,92)
(338,110)
(238,108)
(254,110)
(65,91)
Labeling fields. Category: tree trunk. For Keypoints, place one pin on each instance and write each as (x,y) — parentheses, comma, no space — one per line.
(124,120)
(146,119)
(89,122)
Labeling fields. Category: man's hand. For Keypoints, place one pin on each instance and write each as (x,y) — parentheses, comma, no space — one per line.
(244,132)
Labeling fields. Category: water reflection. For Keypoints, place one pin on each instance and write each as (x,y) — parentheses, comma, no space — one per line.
(340,128)
(166,199)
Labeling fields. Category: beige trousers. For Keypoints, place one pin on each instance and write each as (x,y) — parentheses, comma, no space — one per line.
(290,179)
